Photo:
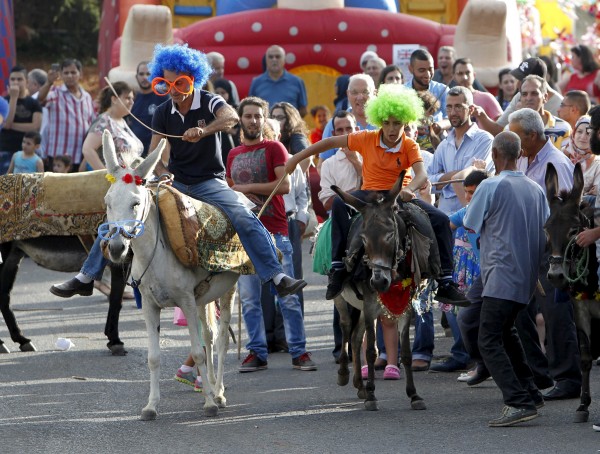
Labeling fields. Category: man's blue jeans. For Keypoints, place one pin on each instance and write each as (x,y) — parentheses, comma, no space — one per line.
(423,344)
(253,235)
(250,289)
(94,265)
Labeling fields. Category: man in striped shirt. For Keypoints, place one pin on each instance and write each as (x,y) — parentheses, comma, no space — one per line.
(70,112)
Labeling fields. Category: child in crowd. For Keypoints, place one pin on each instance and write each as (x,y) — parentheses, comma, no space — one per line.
(62,164)
(26,161)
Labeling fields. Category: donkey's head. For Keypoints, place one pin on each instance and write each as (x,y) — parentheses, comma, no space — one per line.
(382,233)
(127,200)
(564,223)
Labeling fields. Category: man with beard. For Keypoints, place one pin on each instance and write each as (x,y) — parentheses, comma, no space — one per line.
(464,144)
(421,68)
(146,102)
(255,168)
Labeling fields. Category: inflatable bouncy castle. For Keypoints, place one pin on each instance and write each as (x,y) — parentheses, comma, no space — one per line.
(322,38)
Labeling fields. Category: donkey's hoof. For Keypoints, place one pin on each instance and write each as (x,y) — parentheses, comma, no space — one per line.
(4,348)
(418,404)
(371,405)
(343,378)
(117,350)
(581,416)
(362,394)
(28,347)
(221,401)
(211,411)
(148,415)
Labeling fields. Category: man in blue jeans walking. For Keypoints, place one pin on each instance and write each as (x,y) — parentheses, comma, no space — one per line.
(195,163)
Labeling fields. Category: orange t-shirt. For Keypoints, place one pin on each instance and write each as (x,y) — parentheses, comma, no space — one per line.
(380,168)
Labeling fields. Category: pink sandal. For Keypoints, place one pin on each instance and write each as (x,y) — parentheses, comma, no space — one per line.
(391,372)
(364,372)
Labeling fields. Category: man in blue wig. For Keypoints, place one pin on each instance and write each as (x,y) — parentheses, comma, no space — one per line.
(195,160)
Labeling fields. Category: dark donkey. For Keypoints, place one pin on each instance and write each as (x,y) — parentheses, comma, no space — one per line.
(573,268)
(383,234)
(58,253)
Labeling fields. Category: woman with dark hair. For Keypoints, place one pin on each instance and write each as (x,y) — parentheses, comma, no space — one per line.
(586,75)
(391,74)
(507,87)
(224,88)
(231,138)
(113,110)
(294,132)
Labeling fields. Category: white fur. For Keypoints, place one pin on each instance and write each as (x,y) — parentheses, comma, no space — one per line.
(167,283)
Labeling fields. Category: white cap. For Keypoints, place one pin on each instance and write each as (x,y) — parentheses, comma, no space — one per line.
(368,55)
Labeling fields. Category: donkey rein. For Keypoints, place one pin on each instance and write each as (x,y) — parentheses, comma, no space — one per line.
(136,282)
(581,270)
(138,120)
(271,196)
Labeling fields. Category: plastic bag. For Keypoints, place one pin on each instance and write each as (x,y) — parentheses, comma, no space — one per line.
(179,318)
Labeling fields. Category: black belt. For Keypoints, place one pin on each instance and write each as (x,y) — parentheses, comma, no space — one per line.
(291,215)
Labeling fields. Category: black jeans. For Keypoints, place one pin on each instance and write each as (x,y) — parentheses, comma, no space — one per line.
(503,353)
(341,215)
(468,322)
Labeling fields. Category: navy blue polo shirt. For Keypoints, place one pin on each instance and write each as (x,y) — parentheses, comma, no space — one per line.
(192,163)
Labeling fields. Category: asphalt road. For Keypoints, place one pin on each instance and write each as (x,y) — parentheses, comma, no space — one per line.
(86,401)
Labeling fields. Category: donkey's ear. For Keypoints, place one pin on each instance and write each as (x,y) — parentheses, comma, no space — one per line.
(577,183)
(109,153)
(393,193)
(551,181)
(349,199)
(147,166)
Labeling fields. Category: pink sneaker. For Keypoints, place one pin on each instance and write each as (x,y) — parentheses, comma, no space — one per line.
(391,372)
(364,372)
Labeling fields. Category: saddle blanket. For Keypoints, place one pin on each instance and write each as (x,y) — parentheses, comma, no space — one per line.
(200,234)
(42,204)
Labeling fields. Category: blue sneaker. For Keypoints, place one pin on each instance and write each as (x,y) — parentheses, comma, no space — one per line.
(187,378)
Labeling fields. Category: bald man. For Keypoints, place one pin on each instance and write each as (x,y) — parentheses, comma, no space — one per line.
(277,85)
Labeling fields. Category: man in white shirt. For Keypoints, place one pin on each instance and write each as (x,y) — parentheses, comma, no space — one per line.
(344,169)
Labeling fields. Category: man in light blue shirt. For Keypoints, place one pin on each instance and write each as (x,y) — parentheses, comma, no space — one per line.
(509,212)
(277,85)
(538,150)
(360,89)
(465,142)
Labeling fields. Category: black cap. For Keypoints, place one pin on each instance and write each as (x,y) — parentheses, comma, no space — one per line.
(530,66)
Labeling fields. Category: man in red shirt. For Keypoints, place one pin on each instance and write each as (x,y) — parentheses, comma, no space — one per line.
(254,169)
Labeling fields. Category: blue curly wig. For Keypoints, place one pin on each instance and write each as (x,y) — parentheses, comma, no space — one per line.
(179,58)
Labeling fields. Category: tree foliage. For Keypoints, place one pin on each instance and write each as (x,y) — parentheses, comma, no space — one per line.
(57,29)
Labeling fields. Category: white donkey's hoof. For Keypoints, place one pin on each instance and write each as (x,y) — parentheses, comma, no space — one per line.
(221,401)
(211,411)
(148,414)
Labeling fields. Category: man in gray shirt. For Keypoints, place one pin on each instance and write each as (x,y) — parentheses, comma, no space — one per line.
(509,212)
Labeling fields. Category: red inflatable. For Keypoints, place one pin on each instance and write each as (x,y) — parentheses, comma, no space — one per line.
(332,38)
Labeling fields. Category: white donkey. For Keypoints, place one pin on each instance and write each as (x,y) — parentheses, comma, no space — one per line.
(164,281)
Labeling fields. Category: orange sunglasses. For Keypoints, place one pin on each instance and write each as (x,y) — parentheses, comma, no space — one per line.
(183,84)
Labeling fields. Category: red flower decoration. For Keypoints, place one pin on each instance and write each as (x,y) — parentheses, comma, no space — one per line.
(129,178)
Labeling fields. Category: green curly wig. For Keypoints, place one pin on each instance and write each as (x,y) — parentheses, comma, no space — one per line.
(396,101)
